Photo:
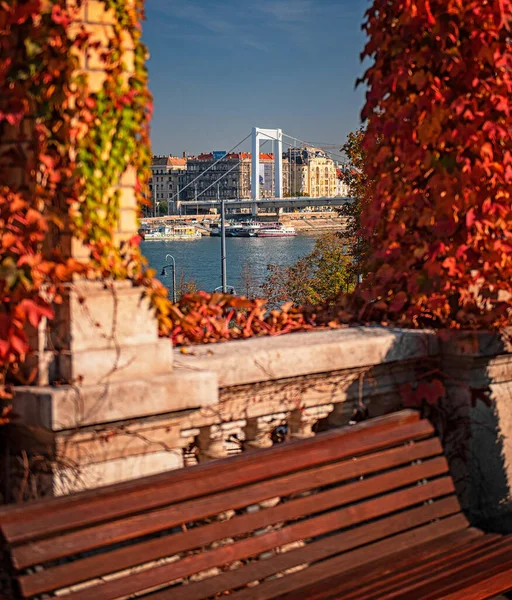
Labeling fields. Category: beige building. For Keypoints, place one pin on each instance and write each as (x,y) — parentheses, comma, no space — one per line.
(311,172)
(164,181)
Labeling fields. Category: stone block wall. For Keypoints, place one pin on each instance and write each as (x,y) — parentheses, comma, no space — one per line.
(477,372)
(219,400)
(92,17)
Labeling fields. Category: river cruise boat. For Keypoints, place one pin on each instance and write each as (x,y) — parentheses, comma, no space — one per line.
(172,232)
(243,229)
(247,229)
(276,230)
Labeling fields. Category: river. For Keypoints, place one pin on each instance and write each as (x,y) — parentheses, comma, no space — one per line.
(200,259)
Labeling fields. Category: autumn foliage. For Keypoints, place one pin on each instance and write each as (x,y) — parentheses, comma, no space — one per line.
(438,145)
(204,318)
(63,151)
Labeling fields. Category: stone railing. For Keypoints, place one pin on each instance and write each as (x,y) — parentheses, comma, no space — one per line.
(213,401)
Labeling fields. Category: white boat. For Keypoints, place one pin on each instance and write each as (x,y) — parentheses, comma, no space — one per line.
(246,229)
(172,232)
(276,230)
(242,229)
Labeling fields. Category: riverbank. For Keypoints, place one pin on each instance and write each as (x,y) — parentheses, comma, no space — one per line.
(307,222)
(314,223)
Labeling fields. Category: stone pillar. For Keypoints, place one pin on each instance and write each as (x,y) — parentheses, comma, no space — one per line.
(259,430)
(302,421)
(476,424)
(214,442)
(102,366)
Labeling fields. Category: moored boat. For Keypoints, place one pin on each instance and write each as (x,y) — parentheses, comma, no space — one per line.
(172,232)
(276,230)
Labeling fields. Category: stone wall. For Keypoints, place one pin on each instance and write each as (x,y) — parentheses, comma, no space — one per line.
(216,400)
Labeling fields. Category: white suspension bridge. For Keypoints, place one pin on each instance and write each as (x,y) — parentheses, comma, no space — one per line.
(256,202)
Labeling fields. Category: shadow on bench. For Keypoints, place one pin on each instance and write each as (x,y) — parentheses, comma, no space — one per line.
(362,512)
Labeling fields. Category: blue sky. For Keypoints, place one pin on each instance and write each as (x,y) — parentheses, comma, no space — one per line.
(220,67)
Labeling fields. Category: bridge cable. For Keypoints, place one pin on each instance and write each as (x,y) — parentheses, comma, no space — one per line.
(209,168)
(312,144)
(215,182)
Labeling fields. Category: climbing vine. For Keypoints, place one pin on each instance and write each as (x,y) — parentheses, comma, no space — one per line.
(438,145)
(204,318)
(63,151)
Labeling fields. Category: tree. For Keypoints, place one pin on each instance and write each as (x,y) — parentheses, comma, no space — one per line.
(438,144)
(360,186)
(184,285)
(314,278)
(249,285)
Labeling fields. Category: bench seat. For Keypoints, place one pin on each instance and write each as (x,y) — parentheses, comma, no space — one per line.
(367,511)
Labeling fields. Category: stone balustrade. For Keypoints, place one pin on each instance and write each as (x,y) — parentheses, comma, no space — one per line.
(213,401)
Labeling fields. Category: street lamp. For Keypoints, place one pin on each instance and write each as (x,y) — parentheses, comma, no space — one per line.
(172,265)
(222,241)
(229,290)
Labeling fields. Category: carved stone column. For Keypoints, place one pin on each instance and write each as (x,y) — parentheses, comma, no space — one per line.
(302,421)
(259,430)
(101,364)
(214,440)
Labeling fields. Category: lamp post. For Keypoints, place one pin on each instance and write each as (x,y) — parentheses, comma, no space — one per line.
(229,289)
(222,242)
(164,273)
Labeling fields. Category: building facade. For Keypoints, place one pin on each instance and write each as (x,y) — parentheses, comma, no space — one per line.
(208,178)
(164,182)
(311,172)
(342,187)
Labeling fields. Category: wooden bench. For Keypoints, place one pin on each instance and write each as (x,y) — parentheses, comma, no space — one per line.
(367,511)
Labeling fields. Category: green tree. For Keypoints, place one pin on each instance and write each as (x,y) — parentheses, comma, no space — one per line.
(315,278)
(355,176)
(162,209)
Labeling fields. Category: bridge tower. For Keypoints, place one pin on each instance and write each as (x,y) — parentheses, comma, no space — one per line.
(276,136)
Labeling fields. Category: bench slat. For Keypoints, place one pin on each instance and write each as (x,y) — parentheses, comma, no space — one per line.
(459,575)
(391,571)
(286,587)
(493,583)
(95,537)
(45,518)
(315,551)
(343,518)
(418,575)
(88,568)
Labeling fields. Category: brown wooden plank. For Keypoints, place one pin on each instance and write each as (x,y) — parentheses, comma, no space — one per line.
(496,582)
(87,539)
(246,548)
(390,572)
(315,551)
(81,570)
(457,575)
(44,518)
(297,585)
(419,573)
(458,579)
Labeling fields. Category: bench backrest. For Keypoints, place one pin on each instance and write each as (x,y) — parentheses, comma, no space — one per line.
(299,502)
